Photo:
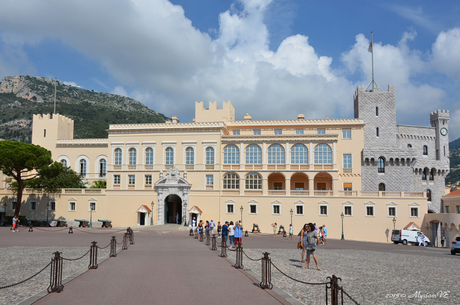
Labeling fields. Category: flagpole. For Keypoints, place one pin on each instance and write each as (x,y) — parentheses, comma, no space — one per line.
(372,44)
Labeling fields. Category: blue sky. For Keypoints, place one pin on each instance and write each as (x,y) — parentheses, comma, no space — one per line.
(270,58)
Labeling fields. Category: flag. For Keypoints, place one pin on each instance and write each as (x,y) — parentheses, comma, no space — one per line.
(370,49)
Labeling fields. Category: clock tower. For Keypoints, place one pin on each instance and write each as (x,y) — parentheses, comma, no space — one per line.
(439,119)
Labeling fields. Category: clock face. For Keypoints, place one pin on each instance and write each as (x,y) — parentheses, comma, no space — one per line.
(443,131)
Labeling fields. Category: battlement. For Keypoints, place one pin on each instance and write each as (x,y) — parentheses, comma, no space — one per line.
(361,89)
(49,116)
(440,113)
(213,114)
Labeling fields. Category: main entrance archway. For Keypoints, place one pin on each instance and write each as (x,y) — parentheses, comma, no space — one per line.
(173,209)
(173,197)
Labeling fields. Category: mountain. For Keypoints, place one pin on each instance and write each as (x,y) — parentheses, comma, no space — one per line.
(454,176)
(22,96)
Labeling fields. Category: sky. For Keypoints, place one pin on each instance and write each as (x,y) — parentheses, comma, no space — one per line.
(272,59)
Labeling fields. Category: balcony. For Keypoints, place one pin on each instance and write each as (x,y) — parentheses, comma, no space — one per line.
(299,166)
(277,192)
(231,167)
(300,192)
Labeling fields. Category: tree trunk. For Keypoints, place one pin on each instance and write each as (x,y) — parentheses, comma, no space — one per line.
(19,197)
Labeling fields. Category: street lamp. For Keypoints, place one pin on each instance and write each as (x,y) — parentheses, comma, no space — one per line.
(151,217)
(292,212)
(342,216)
(91,214)
(394,223)
(241,210)
(47,209)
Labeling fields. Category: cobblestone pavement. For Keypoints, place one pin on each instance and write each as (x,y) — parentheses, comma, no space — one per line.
(369,277)
(19,263)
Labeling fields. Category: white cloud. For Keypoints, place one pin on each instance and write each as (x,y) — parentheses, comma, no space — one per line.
(71,84)
(446,53)
(119,90)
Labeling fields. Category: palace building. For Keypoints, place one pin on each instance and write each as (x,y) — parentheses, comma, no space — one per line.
(366,174)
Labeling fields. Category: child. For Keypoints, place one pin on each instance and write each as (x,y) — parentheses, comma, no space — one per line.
(291,231)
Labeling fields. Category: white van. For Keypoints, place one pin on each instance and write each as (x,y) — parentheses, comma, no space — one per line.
(407,237)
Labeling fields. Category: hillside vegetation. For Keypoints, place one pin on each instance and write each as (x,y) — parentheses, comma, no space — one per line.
(23,96)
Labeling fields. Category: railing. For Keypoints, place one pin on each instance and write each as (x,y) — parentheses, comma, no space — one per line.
(276,192)
(231,167)
(348,193)
(300,192)
(391,194)
(322,193)
(253,192)
(299,166)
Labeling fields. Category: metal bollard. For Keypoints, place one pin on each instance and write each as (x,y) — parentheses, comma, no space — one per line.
(93,256)
(214,242)
(71,230)
(334,286)
(113,247)
(201,236)
(239,256)
(125,241)
(31,229)
(266,272)
(246,233)
(208,240)
(191,232)
(131,236)
(196,234)
(56,274)
(223,248)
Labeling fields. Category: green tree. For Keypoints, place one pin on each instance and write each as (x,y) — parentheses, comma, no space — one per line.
(49,183)
(24,162)
(99,184)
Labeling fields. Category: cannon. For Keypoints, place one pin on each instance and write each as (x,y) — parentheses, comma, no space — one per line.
(255,228)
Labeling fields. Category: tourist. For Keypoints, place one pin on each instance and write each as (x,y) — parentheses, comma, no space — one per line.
(303,233)
(291,231)
(200,227)
(231,234)
(225,231)
(238,234)
(422,239)
(275,227)
(316,228)
(211,226)
(219,229)
(15,224)
(207,228)
(320,235)
(325,233)
(177,218)
(309,241)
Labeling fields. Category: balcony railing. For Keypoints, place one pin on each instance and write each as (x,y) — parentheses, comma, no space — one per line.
(300,192)
(276,192)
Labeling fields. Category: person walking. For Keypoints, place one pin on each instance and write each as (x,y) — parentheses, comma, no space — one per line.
(310,242)
(238,234)
(212,224)
(225,231)
(15,224)
(275,227)
(325,233)
(303,234)
(422,239)
(291,231)
(231,234)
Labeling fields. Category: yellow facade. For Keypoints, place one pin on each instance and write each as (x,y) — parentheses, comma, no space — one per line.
(258,171)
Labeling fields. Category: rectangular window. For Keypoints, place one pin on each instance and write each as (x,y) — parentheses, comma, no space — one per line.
(321,131)
(414,212)
(299,209)
(277,185)
(236,132)
(116,179)
(148,179)
(52,205)
(92,206)
(346,133)
(253,209)
(348,186)
(457,209)
(131,179)
(33,205)
(299,131)
(230,208)
(72,206)
(323,210)
(377,132)
(321,186)
(392,211)
(347,210)
(13,205)
(446,209)
(299,186)
(209,179)
(278,131)
(369,211)
(257,132)
(347,161)
(276,209)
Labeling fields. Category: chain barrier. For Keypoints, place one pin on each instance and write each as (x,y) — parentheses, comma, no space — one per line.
(75,229)
(76,259)
(239,256)
(93,256)
(39,229)
(56,274)
(266,282)
(110,243)
(254,260)
(131,235)
(113,247)
(214,243)
(125,242)
(349,296)
(208,240)
(223,248)
(23,281)
(296,280)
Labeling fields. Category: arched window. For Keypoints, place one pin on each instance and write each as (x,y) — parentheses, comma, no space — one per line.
(382,187)
(231,182)
(83,167)
(231,154)
(253,181)
(276,154)
(118,155)
(102,168)
(428,195)
(432,173)
(209,155)
(149,156)
(189,156)
(299,154)
(425,173)
(64,162)
(425,150)
(253,154)
(169,156)
(323,154)
(381,165)
(409,145)
(132,156)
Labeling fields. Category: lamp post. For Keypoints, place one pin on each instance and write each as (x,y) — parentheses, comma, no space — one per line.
(292,212)
(394,223)
(241,210)
(342,216)
(90,214)
(151,217)
(47,209)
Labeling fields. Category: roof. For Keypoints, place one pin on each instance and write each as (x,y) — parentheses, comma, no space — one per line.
(143,208)
(411,224)
(196,208)
(454,193)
